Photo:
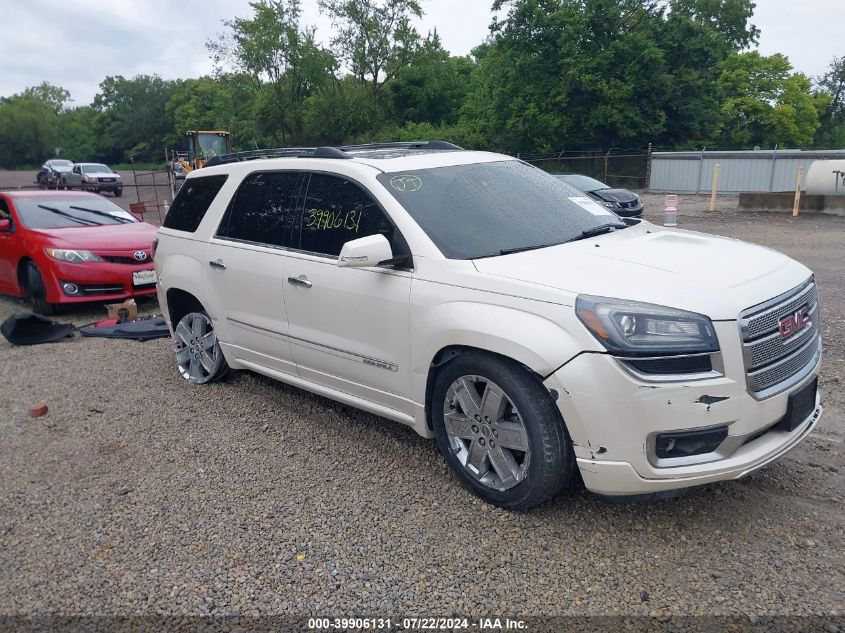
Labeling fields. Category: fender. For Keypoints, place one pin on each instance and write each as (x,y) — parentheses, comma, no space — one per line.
(535,340)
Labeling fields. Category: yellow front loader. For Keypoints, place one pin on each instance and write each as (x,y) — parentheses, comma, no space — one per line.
(202,145)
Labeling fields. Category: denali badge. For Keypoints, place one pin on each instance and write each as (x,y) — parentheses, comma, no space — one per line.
(791,324)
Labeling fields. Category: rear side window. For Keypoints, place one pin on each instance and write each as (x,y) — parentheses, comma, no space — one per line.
(263,209)
(192,202)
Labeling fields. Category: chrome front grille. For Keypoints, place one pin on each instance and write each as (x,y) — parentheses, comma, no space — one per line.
(774,363)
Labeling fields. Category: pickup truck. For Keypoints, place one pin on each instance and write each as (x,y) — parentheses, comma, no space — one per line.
(94,177)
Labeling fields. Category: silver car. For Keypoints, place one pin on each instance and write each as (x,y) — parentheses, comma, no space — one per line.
(94,177)
(51,172)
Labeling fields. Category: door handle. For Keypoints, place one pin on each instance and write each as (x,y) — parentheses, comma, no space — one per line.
(302,280)
(217,263)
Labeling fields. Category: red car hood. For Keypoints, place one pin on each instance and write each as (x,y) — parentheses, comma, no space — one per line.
(118,237)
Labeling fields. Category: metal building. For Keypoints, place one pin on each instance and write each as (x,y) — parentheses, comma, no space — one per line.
(751,170)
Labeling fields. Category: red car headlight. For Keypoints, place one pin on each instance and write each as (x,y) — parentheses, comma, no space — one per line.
(72,256)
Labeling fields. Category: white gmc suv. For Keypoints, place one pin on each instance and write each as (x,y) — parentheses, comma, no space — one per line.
(529,330)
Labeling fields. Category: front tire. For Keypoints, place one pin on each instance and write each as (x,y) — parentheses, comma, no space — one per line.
(36,292)
(500,432)
(198,355)
(118,193)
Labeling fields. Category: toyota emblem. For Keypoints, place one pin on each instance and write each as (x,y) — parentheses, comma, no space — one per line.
(140,255)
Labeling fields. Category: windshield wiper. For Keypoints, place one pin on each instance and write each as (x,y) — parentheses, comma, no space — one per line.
(591,232)
(103,213)
(597,230)
(522,249)
(83,221)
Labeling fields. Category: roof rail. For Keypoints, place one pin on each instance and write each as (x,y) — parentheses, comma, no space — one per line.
(341,152)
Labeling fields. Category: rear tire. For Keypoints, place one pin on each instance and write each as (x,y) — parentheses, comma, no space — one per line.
(500,432)
(198,355)
(36,292)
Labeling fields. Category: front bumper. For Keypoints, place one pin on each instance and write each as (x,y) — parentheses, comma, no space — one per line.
(100,281)
(612,417)
(103,186)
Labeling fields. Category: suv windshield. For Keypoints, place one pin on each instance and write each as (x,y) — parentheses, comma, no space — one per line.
(95,169)
(58,213)
(485,209)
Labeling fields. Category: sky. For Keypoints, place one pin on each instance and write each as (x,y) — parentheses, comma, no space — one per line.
(77,43)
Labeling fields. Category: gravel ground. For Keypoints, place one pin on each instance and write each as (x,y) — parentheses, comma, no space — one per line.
(140,494)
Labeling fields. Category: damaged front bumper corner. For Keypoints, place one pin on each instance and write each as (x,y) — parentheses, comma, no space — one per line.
(613,419)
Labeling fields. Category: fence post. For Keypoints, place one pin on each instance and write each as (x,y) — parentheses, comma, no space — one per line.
(155,188)
(700,169)
(772,169)
(797,200)
(714,187)
(648,169)
(606,158)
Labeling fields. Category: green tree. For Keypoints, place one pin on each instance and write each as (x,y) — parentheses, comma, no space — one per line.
(432,87)
(696,36)
(54,96)
(28,132)
(284,60)
(569,74)
(77,134)
(375,39)
(29,125)
(831,132)
(132,121)
(764,103)
(342,111)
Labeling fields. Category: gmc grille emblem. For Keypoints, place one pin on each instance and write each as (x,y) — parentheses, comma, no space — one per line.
(793,323)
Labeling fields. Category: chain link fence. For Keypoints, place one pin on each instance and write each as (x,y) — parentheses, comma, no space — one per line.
(148,194)
(628,170)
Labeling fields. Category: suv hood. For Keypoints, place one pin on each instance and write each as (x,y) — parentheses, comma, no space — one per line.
(102,239)
(715,276)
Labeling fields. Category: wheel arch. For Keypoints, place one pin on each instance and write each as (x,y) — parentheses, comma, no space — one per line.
(179,303)
(540,343)
(447,354)
(21,274)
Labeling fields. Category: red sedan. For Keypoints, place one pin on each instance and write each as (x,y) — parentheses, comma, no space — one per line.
(70,247)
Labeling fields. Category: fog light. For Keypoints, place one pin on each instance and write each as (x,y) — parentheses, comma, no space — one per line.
(70,288)
(688,443)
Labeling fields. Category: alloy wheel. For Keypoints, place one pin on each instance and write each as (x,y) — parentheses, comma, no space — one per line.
(197,349)
(486,432)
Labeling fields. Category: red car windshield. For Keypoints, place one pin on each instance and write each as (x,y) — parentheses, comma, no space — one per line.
(58,213)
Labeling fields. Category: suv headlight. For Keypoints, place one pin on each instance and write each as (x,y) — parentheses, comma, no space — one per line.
(72,256)
(630,328)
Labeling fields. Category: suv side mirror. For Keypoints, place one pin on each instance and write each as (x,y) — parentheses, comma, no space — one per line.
(5,225)
(365,251)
